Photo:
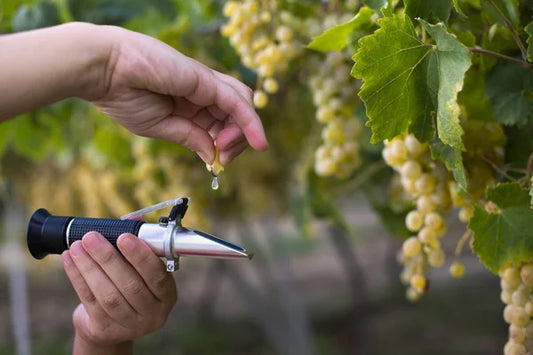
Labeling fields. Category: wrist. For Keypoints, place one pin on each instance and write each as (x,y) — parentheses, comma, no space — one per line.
(97,46)
(83,345)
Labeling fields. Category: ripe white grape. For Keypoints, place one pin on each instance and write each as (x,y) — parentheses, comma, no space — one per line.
(511,275)
(427,235)
(419,283)
(411,169)
(457,269)
(412,294)
(411,247)
(414,221)
(506,296)
(433,220)
(425,184)
(517,334)
(425,204)
(465,213)
(512,348)
(526,274)
(436,257)
(520,298)
(260,99)
(270,85)
(413,146)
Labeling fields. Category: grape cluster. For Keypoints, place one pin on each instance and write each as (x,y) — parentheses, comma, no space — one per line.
(333,90)
(431,188)
(265,39)
(517,287)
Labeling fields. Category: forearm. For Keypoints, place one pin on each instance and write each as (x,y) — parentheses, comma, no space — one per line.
(44,66)
(86,347)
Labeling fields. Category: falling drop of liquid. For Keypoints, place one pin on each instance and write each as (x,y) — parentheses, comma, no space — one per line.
(214,183)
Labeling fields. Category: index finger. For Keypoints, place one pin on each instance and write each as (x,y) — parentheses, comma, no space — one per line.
(212,91)
(149,266)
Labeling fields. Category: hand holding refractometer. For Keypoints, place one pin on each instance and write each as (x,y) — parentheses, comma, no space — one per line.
(49,234)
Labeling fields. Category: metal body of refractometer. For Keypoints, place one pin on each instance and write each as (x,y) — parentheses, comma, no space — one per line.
(49,234)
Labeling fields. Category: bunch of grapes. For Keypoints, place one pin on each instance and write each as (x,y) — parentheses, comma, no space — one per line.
(517,286)
(265,39)
(429,186)
(333,90)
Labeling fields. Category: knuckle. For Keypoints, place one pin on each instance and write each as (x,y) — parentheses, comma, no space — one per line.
(89,298)
(106,256)
(111,300)
(134,287)
(161,282)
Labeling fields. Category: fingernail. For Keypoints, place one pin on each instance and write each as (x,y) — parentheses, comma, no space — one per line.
(91,241)
(127,243)
(76,249)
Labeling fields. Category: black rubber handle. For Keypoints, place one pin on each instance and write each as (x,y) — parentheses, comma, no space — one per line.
(47,234)
(110,228)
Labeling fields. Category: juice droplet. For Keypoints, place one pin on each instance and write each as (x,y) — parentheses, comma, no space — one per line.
(214,183)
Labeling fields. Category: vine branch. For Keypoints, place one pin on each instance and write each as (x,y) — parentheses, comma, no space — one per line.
(497,169)
(501,56)
(511,28)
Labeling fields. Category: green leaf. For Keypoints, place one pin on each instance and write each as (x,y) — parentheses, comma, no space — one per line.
(336,38)
(430,10)
(407,83)
(453,60)
(452,159)
(529,41)
(393,64)
(506,236)
(510,89)
(494,9)
(457,8)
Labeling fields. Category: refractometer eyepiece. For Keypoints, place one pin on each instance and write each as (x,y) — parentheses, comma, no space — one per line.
(46,234)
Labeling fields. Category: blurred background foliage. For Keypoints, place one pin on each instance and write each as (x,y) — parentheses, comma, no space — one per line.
(73,160)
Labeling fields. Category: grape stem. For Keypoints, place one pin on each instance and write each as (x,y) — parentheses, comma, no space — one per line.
(461,243)
(497,169)
(511,28)
(501,56)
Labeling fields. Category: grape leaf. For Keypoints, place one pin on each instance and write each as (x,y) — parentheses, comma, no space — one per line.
(453,60)
(431,10)
(457,8)
(406,82)
(494,9)
(506,236)
(510,89)
(529,31)
(336,38)
(452,159)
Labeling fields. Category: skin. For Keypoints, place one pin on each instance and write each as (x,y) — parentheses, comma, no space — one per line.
(153,91)
(138,81)
(122,297)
